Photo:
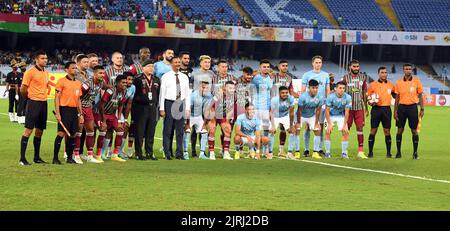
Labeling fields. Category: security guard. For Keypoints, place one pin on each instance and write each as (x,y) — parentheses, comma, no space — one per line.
(12,81)
(22,101)
(144,111)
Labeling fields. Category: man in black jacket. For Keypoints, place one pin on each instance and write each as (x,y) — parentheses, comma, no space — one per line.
(144,110)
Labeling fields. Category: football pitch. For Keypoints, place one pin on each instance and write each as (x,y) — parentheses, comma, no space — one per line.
(245,184)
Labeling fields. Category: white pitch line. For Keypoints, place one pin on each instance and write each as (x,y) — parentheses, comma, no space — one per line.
(376,171)
(339,166)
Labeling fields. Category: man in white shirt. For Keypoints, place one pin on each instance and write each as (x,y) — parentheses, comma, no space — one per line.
(174,106)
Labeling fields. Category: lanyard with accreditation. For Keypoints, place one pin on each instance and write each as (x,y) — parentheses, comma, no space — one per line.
(149,88)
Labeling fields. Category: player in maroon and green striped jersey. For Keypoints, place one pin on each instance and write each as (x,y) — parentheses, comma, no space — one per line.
(144,54)
(357,89)
(117,68)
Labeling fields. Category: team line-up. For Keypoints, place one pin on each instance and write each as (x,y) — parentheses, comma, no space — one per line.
(94,102)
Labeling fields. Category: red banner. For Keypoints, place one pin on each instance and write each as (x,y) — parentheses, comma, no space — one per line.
(15,18)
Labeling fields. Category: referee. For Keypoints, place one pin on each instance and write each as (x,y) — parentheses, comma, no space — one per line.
(34,88)
(409,92)
(381,110)
(68,112)
(144,110)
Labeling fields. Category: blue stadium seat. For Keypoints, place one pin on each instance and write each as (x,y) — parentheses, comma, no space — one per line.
(423,15)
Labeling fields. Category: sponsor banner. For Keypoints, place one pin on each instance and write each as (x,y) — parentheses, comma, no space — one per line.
(57,24)
(429,100)
(405,38)
(341,36)
(442,100)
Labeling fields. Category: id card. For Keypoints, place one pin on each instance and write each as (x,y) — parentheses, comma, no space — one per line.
(150,96)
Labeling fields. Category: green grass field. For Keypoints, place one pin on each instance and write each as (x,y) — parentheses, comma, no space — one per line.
(232,185)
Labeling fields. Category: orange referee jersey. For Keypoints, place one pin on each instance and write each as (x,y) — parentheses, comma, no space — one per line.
(36,80)
(383,89)
(70,91)
(408,90)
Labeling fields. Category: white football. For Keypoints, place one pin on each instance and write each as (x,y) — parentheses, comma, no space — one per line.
(374,98)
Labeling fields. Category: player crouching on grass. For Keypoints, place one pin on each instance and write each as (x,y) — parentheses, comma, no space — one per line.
(281,114)
(200,99)
(380,95)
(337,111)
(309,109)
(111,101)
(248,132)
(68,112)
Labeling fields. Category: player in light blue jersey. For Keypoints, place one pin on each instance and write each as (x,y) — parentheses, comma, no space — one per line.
(248,132)
(338,107)
(164,66)
(324,90)
(263,86)
(281,114)
(200,99)
(309,108)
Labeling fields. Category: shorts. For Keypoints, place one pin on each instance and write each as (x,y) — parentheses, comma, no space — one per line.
(88,116)
(407,112)
(283,121)
(111,120)
(36,114)
(69,117)
(357,116)
(339,120)
(380,114)
(246,142)
(264,116)
(311,122)
(198,122)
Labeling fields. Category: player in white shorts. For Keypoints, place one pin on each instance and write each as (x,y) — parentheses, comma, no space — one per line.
(281,113)
(248,132)
(200,99)
(309,110)
(338,107)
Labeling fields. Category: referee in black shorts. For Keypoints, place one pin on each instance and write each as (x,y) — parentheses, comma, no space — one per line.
(380,95)
(34,88)
(409,93)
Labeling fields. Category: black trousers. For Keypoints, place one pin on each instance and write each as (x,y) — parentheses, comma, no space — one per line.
(21,106)
(174,120)
(144,118)
(12,101)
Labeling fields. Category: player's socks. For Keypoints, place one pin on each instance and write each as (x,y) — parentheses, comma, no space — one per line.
(90,141)
(271,140)
(226,144)
(105,145)
(292,141)
(23,147)
(203,141)
(360,137)
(57,147)
(194,141)
(130,144)
(371,143)
(100,142)
(388,141)
(327,146)
(316,143)
(297,143)
(124,141)
(211,144)
(77,143)
(321,139)
(307,138)
(398,140)
(415,139)
(281,149)
(344,146)
(37,147)
(118,144)
(186,139)
(70,147)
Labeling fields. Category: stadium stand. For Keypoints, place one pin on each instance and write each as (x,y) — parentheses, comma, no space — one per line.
(287,13)
(421,15)
(209,11)
(359,14)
